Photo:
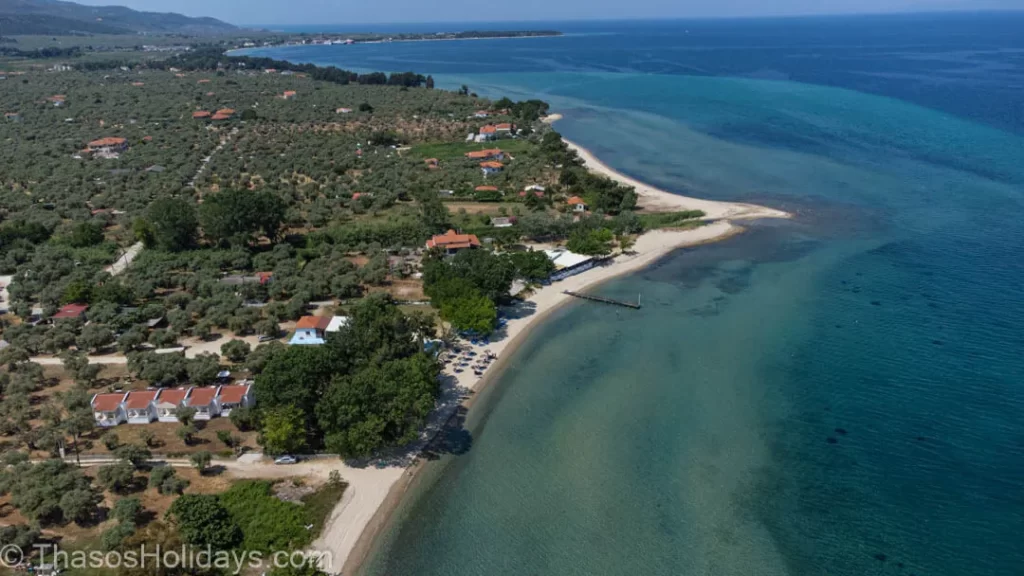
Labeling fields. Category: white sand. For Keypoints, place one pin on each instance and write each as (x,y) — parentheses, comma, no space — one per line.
(368,488)
(653,199)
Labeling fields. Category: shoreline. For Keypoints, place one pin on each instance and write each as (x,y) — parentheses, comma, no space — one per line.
(355,525)
(649,248)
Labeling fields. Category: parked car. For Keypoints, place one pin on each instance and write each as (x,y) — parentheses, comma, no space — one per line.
(285,460)
(266,338)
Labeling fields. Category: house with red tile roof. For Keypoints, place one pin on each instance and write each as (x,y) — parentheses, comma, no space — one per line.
(452,242)
(503,129)
(137,84)
(491,167)
(201,114)
(577,203)
(204,400)
(488,132)
(167,402)
(108,409)
(289,94)
(138,405)
(311,330)
(235,396)
(486,189)
(490,154)
(70,311)
(57,99)
(108,144)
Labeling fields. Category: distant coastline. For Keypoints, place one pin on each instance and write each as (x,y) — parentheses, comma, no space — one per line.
(342,39)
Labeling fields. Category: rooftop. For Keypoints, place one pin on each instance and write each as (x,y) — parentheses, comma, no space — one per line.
(107,402)
(202,396)
(140,399)
(232,394)
(71,311)
(452,239)
(313,323)
(172,396)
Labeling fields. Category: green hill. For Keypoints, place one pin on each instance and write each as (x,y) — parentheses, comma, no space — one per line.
(55,17)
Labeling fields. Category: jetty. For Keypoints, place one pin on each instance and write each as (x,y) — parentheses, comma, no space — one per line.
(605,300)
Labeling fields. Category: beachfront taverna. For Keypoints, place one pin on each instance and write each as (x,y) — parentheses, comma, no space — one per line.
(568,263)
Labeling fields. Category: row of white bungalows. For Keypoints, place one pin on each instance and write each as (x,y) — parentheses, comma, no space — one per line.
(146,406)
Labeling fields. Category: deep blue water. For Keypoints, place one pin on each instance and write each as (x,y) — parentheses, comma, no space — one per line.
(842,394)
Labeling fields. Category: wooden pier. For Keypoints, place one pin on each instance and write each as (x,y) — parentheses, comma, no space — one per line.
(605,300)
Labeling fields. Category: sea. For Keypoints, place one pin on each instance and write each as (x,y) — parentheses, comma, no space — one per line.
(841,394)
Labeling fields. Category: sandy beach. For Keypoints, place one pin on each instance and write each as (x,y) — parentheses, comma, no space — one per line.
(374,492)
(653,199)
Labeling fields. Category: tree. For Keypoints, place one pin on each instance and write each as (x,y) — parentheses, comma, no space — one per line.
(474,314)
(203,369)
(430,82)
(94,337)
(127,510)
(236,215)
(244,418)
(365,107)
(166,481)
(381,405)
(186,415)
(116,477)
(79,505)
(135,455)
(171,224)
(595,242)
(85,234)
(203,521)
(225,437)
(433,212)
(187,434)
(201,460)
(283,430)
(21,535)
(147,437)
(110,440)
(236,350)
(532,266)
(113,537)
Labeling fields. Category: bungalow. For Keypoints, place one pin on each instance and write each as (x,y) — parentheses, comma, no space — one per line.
(168,401)
(432,163)
(70,311)
(108,145)
(201,114)
(289,94)
(577,204)
(204,400)
(343,111)
(451,242)
(261,278)
(138,84)
(238,396)
(108,409)
(503,129)
(490,154)
(12,116)
(568,263)
(311,330)
(490,168)
(486,189)
(488,132)
(57,99)
(139,406)
(534,188)
(501,222)
(481,114)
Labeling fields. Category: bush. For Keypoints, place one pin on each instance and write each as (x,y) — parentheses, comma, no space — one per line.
(127,510)
(236,350)
(267,522)
(113,537)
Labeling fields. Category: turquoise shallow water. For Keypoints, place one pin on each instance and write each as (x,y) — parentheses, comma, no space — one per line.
(841,394)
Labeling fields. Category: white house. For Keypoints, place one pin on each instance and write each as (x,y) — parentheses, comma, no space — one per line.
(577,204)
(491,167)
(568,263)
(108,409)
(167,403)
(205,401)
(138,405)
(314,329)
(236,396)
